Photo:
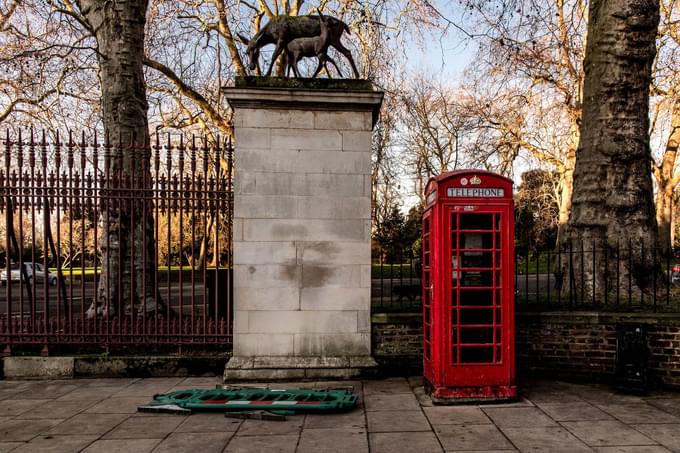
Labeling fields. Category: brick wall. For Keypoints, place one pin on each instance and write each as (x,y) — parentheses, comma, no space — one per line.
(568,345)
(397,341)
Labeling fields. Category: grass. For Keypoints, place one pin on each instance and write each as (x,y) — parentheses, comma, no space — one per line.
(530,265)
(406,270)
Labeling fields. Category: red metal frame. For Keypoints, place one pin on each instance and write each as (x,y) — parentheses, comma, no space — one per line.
(468,288)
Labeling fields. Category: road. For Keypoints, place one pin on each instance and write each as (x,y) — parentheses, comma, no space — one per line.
(386,290)
(82,296)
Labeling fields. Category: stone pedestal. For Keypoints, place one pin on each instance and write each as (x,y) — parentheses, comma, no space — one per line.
(302,229)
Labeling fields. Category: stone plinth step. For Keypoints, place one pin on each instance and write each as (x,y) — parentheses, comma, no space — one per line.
(298,368)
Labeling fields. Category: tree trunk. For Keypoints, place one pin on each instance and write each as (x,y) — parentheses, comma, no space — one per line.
(566,192)
(612,204)
(128,250)
(666,181)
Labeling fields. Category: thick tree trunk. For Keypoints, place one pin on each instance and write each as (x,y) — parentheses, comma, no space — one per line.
(612,204)
(127,244)
(667,180)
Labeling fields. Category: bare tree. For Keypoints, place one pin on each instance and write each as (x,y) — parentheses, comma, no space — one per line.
(128,255)
(666,118)
(612,201)
(49,67)
(527,80)
(434,122)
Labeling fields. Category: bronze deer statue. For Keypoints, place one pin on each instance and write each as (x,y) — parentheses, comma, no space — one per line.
(283,29)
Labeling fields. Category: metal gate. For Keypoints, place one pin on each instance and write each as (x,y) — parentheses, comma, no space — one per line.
(96,255)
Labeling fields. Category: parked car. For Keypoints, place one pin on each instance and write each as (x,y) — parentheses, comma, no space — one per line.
(675,274)
(33,270)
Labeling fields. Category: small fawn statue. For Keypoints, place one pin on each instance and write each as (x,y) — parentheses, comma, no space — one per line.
(311,47)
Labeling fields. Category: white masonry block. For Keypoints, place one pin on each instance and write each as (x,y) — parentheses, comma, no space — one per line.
(307,139)
(310,321)
(355,121)
(281,230)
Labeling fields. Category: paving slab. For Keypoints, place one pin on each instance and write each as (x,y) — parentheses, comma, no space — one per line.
(551,396)
(419,442)
(105,382)
(199,382)
(471,437)
(353,419)
(46,390)
(98,424)
(12,407)
(518,417)
(456,415)
(122,446)
(389,386)
(149,387)
(56,444)
(118,405)
(6,447)
(636,449)
(189,442)
(670,405)
(601,433)
(548,439)
(521,402)
(209,423)
(330,440)
(7,393)
(356,385)
(90,392)
(397,421)
(24,430)
(423,398)
(667,435)
(415,381)
(391,402)
(573,412)
(603,395)
(292,425)
(264,444)
(16,385)
(139,427)
(57,409)
(638,413)
(394,415)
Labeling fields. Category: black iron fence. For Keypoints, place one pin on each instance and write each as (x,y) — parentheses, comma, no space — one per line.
(106,244)
(623,277)
(576,278)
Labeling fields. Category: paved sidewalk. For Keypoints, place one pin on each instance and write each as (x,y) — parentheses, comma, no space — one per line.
(99,415)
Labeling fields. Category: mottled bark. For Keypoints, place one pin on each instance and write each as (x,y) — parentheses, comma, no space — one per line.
(127,243)
(612,201)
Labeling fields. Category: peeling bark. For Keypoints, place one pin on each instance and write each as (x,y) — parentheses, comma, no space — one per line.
(612,201)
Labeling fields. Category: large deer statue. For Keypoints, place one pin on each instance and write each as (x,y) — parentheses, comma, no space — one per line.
(283,29)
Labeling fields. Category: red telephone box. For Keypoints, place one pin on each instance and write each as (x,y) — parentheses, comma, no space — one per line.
(468,287)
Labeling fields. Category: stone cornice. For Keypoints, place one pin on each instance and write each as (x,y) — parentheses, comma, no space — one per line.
(306,98)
